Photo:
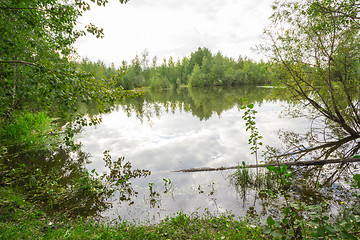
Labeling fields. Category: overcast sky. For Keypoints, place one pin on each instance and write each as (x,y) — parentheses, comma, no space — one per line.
(174,28)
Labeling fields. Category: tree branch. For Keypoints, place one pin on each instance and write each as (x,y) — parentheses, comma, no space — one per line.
(18,62)
(18,8)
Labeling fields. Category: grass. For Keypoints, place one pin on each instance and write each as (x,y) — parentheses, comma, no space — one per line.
(32,206)
(23,220)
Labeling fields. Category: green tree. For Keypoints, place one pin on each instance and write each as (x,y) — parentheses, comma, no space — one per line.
(98,69)
(196,58)
(217,72)
(35,57)
(145,66)
(134,75)
(212,70)
(172,73)
(197,77)
(183,70)
(315,47)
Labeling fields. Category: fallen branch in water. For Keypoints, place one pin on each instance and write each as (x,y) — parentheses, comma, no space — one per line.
(298,163)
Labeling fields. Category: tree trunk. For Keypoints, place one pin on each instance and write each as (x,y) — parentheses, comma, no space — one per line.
(298,163)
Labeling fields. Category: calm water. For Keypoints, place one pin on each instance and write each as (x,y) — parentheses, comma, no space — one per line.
(187,128)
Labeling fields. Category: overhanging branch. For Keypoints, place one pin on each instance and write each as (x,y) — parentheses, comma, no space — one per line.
(19,62)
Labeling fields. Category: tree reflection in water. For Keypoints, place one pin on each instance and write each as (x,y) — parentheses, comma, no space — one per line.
(201,103)
(309,184)
(58,180)
(325,140)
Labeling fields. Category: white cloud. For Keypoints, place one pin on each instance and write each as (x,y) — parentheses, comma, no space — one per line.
(174,28)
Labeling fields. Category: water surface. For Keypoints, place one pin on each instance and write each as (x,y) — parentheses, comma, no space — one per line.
(186,128)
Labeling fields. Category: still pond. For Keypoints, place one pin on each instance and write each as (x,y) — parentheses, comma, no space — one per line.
(169,130)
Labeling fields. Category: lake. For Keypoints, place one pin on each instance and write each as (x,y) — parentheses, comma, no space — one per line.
(185,128)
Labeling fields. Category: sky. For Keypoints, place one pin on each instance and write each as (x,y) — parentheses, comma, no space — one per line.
(174,28)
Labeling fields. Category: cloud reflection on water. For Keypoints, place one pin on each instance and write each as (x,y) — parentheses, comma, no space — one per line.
(177,140)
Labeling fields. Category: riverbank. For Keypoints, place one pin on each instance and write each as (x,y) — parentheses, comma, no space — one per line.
(22,220)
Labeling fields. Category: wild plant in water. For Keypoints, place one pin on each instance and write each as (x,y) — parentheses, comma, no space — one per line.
(297,220)
(254,139)
(119,175)
(242,179)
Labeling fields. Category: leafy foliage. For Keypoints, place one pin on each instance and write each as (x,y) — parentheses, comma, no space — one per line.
(201,69)
(315,48)
(299,220)
(36,49)
(255,137)
(37,72)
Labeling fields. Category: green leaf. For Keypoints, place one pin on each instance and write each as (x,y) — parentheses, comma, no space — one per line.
(285,221)
(286,210)
(295,206)
(270,168)
(270,221)
(330,229)
(314,222)
(356,177)
(321,230)
(251,106)
(346,235)
(352,217)
(276,234)
(267,230)
(283,168)
(348,226)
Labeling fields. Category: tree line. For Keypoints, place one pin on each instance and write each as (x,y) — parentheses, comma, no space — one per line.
(202,103)
(200,69)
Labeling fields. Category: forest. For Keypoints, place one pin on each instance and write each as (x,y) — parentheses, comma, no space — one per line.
(46,192)
(200,69)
